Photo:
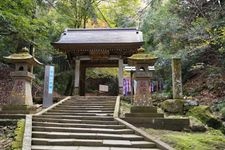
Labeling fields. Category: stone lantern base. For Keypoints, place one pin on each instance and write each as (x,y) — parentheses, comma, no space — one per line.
(142,96)
(21,93)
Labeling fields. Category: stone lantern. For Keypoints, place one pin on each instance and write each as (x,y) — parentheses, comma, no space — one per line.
(142,76)
(23,75)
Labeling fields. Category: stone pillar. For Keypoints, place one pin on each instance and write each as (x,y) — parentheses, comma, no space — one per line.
(177,78)
(77,76)
(120,76)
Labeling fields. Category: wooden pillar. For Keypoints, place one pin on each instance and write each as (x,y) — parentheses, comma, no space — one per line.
(82,79)
(120,76)
(177,78)
(77,77)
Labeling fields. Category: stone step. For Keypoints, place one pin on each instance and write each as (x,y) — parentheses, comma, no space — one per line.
(88,105)
(157,115)
(92,101)
(82,130)
(79,114)
(105,98)
(44,147)
(80,111)
(106,118)
(75,125)
(66,135)
(40,119)
(72,108)
(88,142)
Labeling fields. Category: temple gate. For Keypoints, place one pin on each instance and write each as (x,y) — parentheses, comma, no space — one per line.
(98,48)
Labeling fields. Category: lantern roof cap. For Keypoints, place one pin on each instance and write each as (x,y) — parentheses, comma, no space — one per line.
(23,56)
(142,58)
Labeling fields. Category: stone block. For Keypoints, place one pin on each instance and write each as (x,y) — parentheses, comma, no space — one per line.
(143,109)
(173,105)
(19,109)
(144,115)
(160,123)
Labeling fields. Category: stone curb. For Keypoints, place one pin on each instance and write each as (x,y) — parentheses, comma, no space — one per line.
(27,133)
(117,108)
(148,137)
(54,105)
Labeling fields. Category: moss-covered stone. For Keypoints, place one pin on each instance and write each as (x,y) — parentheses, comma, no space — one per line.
(173,105)
(196,125)
(19,109)
(204,114)
(14,107)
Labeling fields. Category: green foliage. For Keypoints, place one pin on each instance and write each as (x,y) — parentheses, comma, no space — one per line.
(76,13)
(185,29)
(101,72)
(18,141)
(63,82)
(121,13)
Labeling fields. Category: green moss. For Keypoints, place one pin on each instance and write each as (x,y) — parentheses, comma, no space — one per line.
(18,140)
(212,140)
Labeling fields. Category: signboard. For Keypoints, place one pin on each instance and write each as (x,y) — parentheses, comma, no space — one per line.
(48,86)
(103,88)
(51,79)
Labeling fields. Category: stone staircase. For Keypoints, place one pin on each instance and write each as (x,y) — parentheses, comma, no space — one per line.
(82,123)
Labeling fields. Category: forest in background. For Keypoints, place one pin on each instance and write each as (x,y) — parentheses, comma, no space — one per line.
(191,29)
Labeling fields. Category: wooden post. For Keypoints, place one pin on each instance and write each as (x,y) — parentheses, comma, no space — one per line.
(120,76)
(77,76)
(177,78)
(82,79)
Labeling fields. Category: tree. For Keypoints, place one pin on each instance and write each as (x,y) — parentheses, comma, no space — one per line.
(76,13)
(191,29)
(121,13)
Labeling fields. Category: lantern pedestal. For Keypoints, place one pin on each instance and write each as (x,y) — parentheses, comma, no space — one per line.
(21,93)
